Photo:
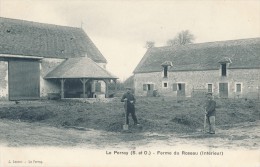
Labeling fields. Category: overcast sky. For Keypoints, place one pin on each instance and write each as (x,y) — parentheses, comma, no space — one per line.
(120,28)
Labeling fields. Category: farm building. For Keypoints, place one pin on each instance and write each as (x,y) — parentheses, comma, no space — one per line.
(228,69)
(41,60)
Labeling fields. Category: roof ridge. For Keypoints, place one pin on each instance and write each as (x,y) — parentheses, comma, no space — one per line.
(39,23)
(204,43)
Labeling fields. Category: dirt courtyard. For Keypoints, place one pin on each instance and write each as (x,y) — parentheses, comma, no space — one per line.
(98,124)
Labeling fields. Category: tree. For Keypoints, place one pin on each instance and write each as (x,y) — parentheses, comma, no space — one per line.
(172,42)
(182,38)
(149,44)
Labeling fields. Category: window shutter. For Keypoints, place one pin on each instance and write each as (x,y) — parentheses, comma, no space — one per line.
(144,87)
(152,86)
(174,87)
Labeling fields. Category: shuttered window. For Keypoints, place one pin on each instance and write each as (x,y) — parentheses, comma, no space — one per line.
(210,88)
(238,88)
(174,87)
(147,87)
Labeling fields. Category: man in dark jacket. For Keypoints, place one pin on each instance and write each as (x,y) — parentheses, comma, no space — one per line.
(129,99)
(210,111)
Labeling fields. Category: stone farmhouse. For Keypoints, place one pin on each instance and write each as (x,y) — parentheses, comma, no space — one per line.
(228,69)
(42,60)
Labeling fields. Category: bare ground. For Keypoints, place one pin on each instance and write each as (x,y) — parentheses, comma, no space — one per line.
(164,122)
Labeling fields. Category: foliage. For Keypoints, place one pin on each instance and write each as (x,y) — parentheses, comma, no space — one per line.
(149,44)
(119,85)
(182,38)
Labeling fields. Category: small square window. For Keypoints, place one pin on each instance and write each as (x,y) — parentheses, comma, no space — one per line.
(165,84)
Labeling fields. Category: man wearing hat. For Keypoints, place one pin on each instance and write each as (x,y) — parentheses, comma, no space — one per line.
(130,106)
(210,111)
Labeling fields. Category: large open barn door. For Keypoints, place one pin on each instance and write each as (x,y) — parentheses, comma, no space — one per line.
(24,79)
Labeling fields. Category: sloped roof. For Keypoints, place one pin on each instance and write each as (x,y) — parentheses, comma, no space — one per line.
(81,67)
(19,37)
(244,53)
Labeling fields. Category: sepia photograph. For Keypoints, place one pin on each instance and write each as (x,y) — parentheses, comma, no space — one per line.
(129,83)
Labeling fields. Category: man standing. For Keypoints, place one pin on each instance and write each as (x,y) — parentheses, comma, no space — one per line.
(129,99)
(210,111)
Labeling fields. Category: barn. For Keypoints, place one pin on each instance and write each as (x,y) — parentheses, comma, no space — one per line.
(41,60)
(228,69)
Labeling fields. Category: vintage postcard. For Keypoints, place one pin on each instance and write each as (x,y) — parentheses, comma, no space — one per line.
(95,83)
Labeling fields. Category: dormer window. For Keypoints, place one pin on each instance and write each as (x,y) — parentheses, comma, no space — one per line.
(223,66)
(165,71)
(223,70)
(166,66)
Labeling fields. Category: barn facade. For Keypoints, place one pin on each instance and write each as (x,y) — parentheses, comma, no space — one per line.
(38,60)
(228,69)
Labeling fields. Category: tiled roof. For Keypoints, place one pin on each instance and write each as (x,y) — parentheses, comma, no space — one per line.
(81,67)
(244,53)
(18,37)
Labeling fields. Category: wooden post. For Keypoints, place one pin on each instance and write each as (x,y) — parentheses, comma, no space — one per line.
(115,86)
(62,81)
(83,81)
(106,82)
(125,126)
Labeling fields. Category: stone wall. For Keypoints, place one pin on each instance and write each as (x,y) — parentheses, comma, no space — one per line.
(4,80)
(49,86)
(248,78)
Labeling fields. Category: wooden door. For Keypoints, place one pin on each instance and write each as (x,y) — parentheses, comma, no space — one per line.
(223,90)
(24,79)
(181,89)
(150,88)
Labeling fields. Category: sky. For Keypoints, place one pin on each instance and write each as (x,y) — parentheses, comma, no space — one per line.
(120,28)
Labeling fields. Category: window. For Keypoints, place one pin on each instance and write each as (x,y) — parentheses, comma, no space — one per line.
(210,88)
(238,88)
(165,84)
(179,86)
(165,71)
(148,87)
(224,69)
